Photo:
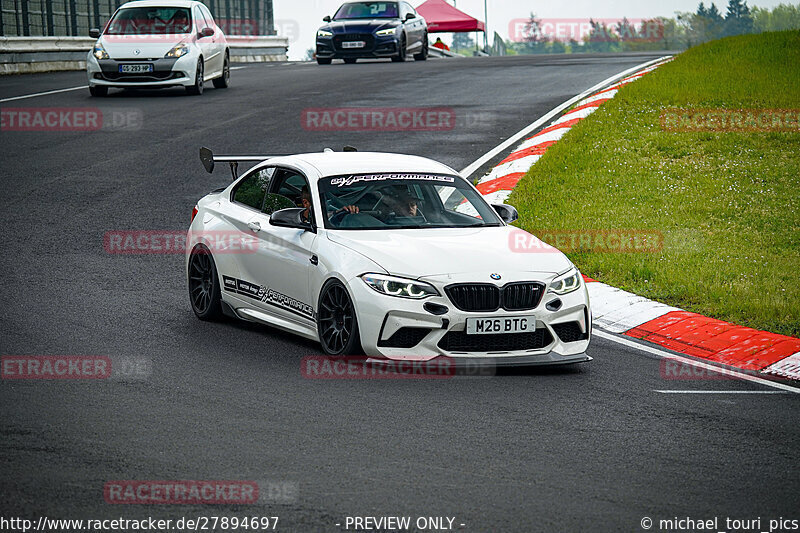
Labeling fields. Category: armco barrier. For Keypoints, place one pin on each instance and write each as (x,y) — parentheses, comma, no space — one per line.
(20,55)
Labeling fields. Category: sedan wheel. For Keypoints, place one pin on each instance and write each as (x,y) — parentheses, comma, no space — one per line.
(401,54)
(337,325)
(423,55)
(204,291)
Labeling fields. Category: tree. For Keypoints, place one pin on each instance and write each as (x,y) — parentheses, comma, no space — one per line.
(601,38)
(738,19)
(462,40)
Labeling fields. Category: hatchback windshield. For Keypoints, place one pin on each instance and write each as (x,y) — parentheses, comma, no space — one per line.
(367,10)
(150,21)
(402,201)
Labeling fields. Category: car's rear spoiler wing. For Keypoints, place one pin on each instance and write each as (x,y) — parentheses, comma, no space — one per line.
(208,159)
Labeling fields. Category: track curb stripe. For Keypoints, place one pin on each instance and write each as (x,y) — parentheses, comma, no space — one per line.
(621,312)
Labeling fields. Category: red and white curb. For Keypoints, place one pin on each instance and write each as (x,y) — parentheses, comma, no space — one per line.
(628,314)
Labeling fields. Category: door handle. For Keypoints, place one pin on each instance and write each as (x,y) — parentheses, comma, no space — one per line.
(255,226)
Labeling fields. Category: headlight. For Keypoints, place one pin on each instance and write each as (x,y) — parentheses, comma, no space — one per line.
(566,283)
(324,33)
(99,52)
(401,287)
(387,31)
(179,50)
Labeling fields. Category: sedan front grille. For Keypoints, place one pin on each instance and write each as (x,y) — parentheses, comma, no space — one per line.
(485,297)
(474,296)
(368,38)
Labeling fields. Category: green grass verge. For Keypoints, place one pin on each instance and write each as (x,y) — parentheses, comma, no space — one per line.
(727,203)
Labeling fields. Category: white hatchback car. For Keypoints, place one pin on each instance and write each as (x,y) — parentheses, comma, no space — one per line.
(393,255)
(159,43)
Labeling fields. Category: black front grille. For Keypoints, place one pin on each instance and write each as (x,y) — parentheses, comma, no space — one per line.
(570,332)
(485,297)
(522,296)
(474,296)
(405,338)
(459,341)
(368,38)
(141,77)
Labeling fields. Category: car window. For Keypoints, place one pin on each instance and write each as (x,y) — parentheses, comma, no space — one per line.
(290,184)
(208,17)
(199,19)
(406,8)
(251,190)
(367,10)
(150,21)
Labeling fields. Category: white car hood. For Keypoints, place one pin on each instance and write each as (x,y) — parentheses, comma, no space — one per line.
(417,253)
(124,47)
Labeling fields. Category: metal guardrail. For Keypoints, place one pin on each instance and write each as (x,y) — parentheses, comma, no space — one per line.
(53,18)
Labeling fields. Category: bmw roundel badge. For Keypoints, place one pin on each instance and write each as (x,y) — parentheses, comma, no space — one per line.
(495,276)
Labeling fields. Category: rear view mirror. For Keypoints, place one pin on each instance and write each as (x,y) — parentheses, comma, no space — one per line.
(507,212)
(94,33)
(326,18)
(206,32)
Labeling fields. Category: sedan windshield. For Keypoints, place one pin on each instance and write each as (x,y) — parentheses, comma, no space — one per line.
(367,10)
(402,201)
(150,21)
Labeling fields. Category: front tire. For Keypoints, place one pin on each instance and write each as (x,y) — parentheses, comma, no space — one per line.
(98,90)
(197,88)
(204,292)
(401,53)
(337,325)
(423,55)
(223,81)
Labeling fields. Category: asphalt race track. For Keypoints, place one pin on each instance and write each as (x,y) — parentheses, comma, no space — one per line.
(592,447)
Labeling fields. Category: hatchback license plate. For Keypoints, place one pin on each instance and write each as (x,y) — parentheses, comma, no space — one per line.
(353,44)
(136,69)
(515,324)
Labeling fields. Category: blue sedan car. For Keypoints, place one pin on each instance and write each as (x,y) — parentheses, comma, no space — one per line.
(373,29)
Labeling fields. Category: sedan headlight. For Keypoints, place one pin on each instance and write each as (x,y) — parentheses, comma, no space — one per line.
(179,50)
(324,33)
(566,283)
(387,31)
(99,52)
(400,287)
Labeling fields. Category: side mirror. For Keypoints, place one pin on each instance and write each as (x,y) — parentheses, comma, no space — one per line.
(410,16)
(206,32)
(290,218)
(507,212)
(94,33)
(326,18)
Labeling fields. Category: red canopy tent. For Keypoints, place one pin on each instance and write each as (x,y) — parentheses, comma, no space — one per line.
(442,17)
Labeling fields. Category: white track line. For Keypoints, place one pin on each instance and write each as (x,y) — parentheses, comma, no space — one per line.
(478,163)
(698,364)
(43,94)
(721,391)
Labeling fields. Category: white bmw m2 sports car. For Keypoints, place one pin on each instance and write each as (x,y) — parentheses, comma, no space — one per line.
(390,255)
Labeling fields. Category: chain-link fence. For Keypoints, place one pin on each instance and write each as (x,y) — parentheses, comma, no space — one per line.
(76,17)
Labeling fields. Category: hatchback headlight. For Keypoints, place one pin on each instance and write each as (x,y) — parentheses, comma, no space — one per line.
(324,33)
(179,50)
(99,52)
(566,283)
(400,287)
(387,31)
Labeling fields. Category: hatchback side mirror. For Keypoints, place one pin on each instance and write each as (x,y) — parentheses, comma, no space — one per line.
(206,32)
(94,33)
(507,212)
(410,16)
(326,18)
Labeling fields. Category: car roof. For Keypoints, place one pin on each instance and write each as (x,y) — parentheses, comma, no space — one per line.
(160,3)
(335,163)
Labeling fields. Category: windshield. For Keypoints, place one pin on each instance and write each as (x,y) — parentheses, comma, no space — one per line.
(367,10)
(402,201)
(150,21)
